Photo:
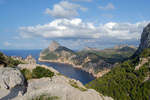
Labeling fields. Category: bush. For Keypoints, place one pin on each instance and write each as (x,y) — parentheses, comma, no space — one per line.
(75,85)
(40,72)
(12,62)
(145,53)
(44,97)
(27,73)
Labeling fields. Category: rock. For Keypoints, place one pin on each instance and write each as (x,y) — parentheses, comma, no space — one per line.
(53,46)
(12,83)
(10,77)
(145,40)
(30,60)
(59,86)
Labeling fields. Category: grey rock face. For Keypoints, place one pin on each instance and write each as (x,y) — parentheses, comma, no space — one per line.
(145,39)
(10,78)
(53,46)
(59,86)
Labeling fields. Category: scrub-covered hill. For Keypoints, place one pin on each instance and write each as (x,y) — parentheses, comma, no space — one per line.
(129,80)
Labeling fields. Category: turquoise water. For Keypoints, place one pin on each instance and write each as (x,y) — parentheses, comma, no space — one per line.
(64,69)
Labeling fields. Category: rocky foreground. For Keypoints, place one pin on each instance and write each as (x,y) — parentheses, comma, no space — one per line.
(14,86)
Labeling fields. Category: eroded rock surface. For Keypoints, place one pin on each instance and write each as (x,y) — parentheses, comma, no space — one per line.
(10,77)
(12,83)
(59,86)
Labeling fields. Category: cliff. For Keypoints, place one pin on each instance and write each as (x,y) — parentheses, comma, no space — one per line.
(145,40)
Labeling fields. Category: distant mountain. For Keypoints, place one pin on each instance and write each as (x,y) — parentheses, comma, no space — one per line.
(129,80)
(92,60)
(55,51)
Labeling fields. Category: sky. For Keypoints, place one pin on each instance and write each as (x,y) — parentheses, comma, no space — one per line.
(33,24)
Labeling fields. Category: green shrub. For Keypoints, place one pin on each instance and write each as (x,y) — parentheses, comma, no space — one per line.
(40,72)
(75,85)
(145,53)
(27,73)
(44,97)
(12,62)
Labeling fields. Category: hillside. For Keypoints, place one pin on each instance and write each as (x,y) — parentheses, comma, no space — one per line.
(129,80)
(97,62)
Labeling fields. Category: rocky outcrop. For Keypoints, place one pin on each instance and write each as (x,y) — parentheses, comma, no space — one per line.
(145,40)
(12,83)
(141,63)
(30,60)
(10,77)
(60,86)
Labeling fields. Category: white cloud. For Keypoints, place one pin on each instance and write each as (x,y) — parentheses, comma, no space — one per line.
(7,43)
(77,29)
(64,9)
(109,6)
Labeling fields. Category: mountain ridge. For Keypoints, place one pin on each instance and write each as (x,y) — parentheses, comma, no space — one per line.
(90,60)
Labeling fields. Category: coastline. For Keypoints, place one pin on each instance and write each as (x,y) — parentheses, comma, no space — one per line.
(99,74)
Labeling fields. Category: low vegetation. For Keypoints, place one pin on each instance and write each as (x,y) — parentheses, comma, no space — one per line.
(124,82)
(27,73)
(45,97)
(8,61)
(50,56)
(75,85)
(38,72)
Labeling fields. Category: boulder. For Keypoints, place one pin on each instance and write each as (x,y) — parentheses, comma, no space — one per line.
(10,77)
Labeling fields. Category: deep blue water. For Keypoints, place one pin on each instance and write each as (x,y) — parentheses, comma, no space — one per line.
(64,69)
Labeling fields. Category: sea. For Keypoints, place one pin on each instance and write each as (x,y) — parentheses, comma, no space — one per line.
(64,69)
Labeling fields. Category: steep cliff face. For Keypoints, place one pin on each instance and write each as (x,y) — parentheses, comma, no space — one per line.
(145,39)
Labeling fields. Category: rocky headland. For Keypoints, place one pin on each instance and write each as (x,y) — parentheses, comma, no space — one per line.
(96,62)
